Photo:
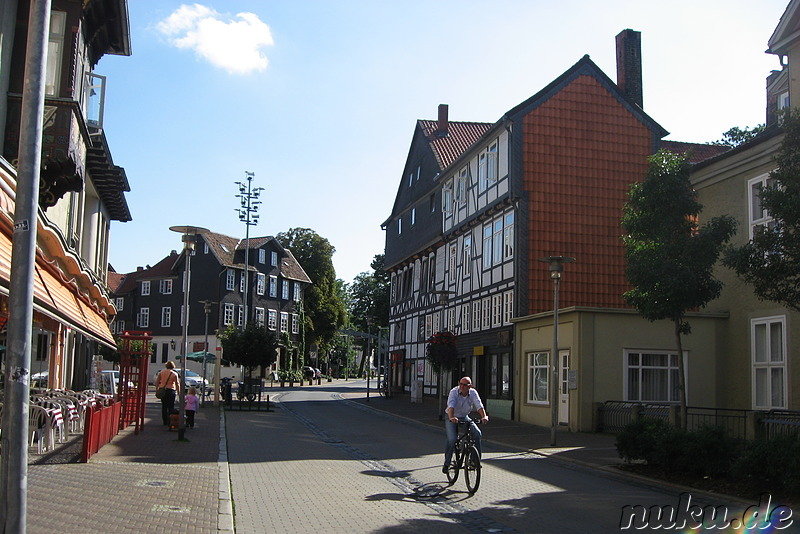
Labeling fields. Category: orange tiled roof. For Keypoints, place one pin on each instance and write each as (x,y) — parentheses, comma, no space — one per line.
(460,136)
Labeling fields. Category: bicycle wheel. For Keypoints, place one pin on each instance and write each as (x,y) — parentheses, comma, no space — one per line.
(472,470)
(454,466)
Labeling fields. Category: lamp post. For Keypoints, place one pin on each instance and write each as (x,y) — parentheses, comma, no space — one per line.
(188,238)
(207,310)
(443,299)
(556,268)
(248,197)
(368,355)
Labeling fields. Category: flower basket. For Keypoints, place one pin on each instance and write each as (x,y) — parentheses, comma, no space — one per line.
(441,351)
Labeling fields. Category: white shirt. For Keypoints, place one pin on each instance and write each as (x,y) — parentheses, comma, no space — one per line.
(461,405)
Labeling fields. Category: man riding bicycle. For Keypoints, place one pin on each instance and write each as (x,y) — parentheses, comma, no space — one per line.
(460,402)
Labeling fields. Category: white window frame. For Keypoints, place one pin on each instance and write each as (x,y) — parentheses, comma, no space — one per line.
(241,281)
(476,315)
(466,252)
(55,52)
(145,287)
(260,316)
(759,217)
(400,225)
(487,246)
(296,295)
(447,197)
(487,168)
(119,303)
(261,283)
(273,286)
(262,256)
(285,289)
(460,189)
(774,353)
(227,314)
(240,315)
(497,310)
(284,321)
(508,236)
(165,286)
(486,313)
(642,369)
(143,318)
(465,318)
(295,323)
(453,257)
(273,258)
(508,307)
(272,319)
(413,216)
(166,316)
(538,365)
(230,279)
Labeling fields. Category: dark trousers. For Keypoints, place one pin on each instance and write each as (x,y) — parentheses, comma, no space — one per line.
(167,405)
(190,418)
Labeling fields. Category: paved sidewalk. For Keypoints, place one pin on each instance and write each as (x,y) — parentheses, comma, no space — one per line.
(145,482)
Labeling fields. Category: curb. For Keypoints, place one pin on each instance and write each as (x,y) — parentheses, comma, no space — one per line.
(225,514)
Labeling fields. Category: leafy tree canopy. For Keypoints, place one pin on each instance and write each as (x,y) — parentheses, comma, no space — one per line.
(770,262)
(252,347)
(368,297)
(669,258)
(736,136)
(323,305)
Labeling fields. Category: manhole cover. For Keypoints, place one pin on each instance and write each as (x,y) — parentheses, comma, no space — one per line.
(170,508)
(157,483)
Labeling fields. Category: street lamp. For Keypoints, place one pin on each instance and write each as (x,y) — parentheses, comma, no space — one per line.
(368,355)
(556,268)
(190,234)
(248,198)
(207,310)
(443,299)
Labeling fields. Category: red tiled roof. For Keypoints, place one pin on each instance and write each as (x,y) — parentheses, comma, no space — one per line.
(694,152)
(115,280)
(460,136)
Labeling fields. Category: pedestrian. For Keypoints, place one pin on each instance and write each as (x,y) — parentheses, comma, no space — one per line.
(168,379)
(462,400)
(192,404)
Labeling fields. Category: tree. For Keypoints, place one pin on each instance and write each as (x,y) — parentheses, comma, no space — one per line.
(255,346)
(323,306)
(368,300)
(368,296)
(669,258)
(770,262)
(736,136)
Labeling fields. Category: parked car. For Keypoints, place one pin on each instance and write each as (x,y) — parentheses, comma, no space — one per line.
(193,380)
(39,380)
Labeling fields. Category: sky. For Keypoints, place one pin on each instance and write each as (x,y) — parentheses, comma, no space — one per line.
(319,99)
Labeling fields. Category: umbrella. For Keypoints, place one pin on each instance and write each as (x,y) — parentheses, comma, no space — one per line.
(198,357)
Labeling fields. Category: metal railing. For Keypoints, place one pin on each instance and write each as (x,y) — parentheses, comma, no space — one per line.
(779,423)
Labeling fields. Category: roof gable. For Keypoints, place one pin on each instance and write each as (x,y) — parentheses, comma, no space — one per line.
(585,67)
(788,30)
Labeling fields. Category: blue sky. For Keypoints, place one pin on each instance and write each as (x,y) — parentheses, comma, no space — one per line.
(319,99)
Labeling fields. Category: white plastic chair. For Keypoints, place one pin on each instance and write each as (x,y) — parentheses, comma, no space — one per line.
(38,427)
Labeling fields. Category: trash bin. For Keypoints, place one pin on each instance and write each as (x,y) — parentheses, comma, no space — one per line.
(416,391)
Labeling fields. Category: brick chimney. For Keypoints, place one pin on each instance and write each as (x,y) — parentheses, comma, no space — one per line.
(443,123)
(629,65)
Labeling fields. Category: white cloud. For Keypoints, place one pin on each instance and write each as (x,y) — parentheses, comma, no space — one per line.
(234,44)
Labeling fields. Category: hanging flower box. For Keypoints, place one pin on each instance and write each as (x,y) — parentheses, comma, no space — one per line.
(441,351)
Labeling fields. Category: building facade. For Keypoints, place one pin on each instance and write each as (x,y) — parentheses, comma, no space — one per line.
(81,189)
(151,298)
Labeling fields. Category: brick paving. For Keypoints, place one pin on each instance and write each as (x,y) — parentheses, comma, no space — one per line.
(150,482)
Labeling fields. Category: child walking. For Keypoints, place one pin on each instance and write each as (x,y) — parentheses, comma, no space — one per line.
(192,404)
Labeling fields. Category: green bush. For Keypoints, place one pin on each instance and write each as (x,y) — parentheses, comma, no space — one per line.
(772,464)
(704,452)
(641,439)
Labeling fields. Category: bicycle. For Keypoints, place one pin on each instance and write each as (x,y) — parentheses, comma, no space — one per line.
(383,388)
(466,457)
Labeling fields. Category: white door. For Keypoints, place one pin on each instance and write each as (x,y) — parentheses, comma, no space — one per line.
(563,395)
